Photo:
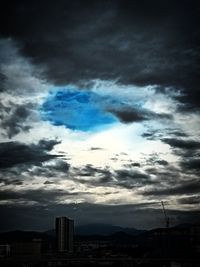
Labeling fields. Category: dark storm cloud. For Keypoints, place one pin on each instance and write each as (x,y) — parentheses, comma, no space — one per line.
(18,75)
(15,153)
(40,196)
(188,149)
(168,174)
(13,118)
(60,166)
(97,176)
(162,162)
(124,174)
(2,79)
(150,135)
(90,170)
(155,159)
(132,164)
(191,164)
(10,181)
(125,178)
(49,182)
(130,178)
(136,42)
(155,134)
(190,200)
(96,148)
(177,133)
(129,115)
(47,145)
(182,144)
(189,187)
(57,169)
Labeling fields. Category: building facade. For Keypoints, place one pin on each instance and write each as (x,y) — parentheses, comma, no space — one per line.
(64,234)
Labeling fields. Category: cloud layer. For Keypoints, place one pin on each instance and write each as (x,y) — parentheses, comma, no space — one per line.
(99,111)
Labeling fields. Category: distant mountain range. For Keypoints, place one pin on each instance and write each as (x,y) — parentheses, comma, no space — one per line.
(101,230)
(105,229)
(90,231)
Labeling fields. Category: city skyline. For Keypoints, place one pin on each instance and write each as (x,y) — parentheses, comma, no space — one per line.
(99,112)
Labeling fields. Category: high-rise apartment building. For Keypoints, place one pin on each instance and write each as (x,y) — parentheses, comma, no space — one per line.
(64,234)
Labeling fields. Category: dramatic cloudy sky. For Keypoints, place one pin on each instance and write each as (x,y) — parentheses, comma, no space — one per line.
(99,112)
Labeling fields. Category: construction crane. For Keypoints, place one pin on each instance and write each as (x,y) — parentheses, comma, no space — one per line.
(166,218)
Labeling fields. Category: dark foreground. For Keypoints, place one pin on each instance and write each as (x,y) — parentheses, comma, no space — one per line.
(172,247)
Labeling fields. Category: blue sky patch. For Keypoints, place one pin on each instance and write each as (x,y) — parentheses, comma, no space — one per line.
(76,109)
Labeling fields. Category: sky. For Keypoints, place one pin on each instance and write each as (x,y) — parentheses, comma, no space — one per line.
(99,112)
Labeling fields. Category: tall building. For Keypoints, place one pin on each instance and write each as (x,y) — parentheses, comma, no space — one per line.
(64,234)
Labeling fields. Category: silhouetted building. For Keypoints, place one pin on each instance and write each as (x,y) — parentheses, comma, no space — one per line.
(64,234)
(4,250)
